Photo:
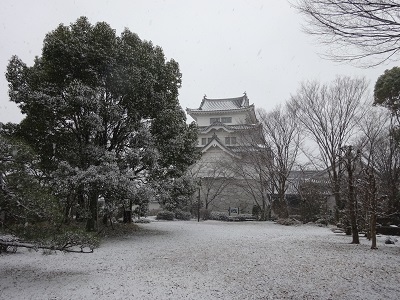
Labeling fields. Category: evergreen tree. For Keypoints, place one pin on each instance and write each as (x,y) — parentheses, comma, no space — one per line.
(104,107)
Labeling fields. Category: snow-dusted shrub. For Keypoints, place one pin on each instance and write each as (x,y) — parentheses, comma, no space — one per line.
(322,221)
(219,216)
(205,214)
(390,240)
(288,222)
(165,215)
(183,215)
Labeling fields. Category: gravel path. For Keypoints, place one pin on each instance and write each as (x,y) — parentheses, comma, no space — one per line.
(210,260)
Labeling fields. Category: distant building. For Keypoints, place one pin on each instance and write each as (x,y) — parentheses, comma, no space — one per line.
(222,123)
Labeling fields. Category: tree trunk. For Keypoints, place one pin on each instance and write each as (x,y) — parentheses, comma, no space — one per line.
(128,213)
(67,210)
(373,231)
(352,204)
(263,210)
(336,191)
(91,223)
(283,209)
(373,206)
(81,203)
(127,216)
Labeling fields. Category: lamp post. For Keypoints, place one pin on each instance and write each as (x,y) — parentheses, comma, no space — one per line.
(198,202)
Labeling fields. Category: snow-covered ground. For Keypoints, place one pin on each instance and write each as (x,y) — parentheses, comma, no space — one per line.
(210,260)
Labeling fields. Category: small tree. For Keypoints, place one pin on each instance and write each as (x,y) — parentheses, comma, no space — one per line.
(313,199)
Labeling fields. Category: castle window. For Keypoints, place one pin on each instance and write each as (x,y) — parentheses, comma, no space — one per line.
(209,140)
(213,120)
(203,141)
(226,119)
(230,140)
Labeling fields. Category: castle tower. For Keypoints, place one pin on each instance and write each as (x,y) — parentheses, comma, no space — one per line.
(222,123)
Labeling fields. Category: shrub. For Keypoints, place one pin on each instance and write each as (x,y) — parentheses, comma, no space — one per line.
(288,222)
(183,215)
(219,216)
(165,215)
(205,214)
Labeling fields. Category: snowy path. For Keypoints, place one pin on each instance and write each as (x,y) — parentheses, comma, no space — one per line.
(210,260)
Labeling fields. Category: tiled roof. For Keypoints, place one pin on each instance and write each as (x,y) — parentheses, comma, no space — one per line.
(224,104)
(216,141)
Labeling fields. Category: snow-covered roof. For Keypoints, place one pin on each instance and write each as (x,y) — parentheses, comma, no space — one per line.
(216,142)
(214,105)
(224,104)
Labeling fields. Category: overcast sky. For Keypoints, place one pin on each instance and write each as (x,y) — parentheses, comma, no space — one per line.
(224,48)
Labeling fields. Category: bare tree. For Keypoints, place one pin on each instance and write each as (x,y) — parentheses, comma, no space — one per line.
(329,114)
(371,29)
(281,136)
(253,176)
(373,128)
(350,162)
(214,184)
(271,157)
(215,178)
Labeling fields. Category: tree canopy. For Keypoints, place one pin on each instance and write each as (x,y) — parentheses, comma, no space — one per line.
(104,108)
(387,91)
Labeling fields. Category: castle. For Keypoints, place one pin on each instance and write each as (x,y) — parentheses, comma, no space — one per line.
(222,125)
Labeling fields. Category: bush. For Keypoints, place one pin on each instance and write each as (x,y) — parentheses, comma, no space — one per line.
(183,215)
(219,216)
(388,230)
(165,215)
(288,222)
(205,214)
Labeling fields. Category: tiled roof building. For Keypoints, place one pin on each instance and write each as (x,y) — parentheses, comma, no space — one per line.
(222,124)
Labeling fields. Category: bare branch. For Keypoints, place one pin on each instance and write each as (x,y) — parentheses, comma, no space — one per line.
(363,32)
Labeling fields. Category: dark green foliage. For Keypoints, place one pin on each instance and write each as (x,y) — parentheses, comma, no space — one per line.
(25,196)
(176,193)
(387,90)
(46,234)
(313,201)
(102,112)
